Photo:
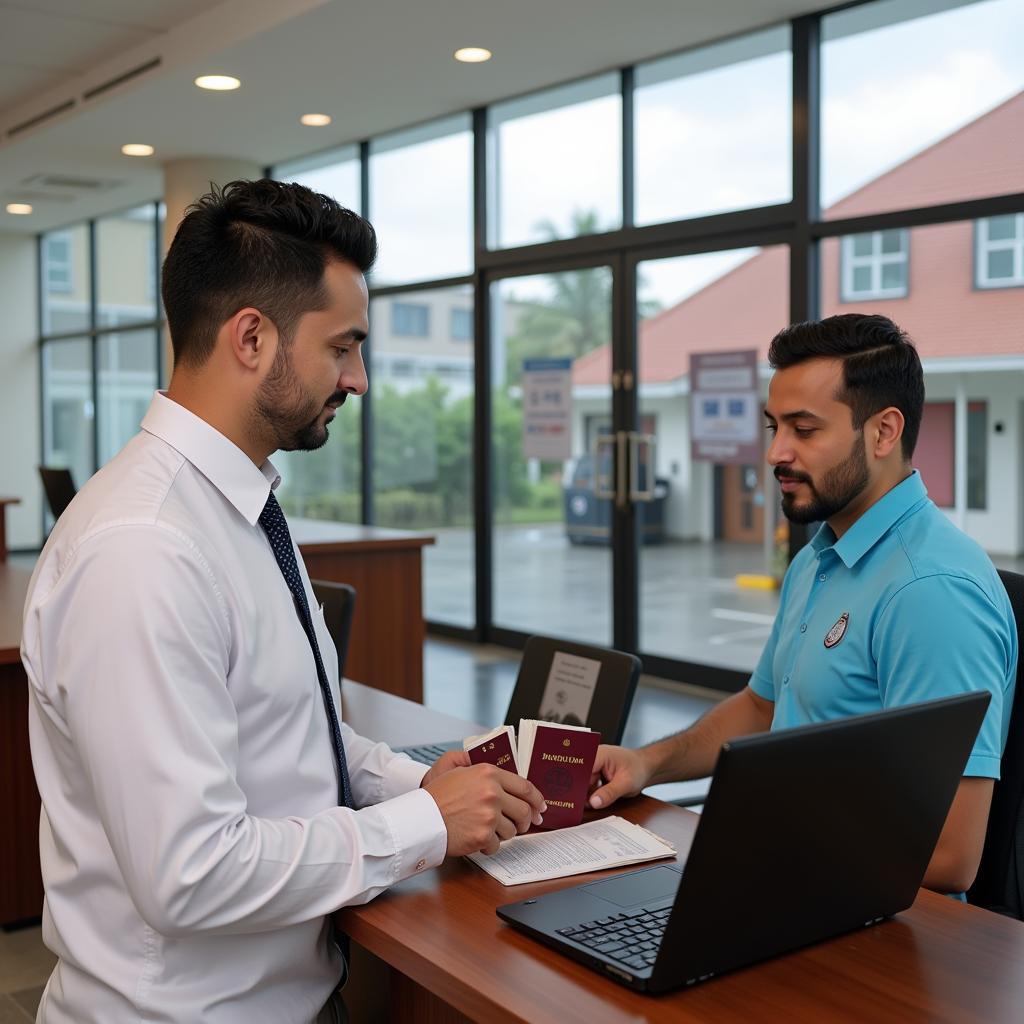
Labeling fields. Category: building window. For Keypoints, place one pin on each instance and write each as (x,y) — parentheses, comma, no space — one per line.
(410,320)
(999,251)
(874,265)
(57,261)
(462,325)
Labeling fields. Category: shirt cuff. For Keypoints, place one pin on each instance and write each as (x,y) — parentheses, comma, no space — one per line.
(982,766)
(418,831)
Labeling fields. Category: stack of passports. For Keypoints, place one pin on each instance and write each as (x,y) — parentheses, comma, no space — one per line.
(557,759)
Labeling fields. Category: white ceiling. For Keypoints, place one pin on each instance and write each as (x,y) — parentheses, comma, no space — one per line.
(372,66)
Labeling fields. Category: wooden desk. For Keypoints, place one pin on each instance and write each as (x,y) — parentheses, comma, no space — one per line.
(4,502)
(385,567)
(21,885)
(452,960)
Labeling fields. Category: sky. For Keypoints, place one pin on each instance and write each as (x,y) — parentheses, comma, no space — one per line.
(714,140)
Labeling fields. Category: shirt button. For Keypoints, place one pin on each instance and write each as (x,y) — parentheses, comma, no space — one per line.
(803,627)
(420,864)
(822,577)
(785,680)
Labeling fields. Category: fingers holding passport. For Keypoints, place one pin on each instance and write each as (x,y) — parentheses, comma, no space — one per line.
(482,804)
(618,772)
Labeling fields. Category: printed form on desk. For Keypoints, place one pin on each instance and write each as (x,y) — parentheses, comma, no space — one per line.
(593,846)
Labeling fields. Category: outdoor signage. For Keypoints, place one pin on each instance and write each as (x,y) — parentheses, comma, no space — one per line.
(547,408)
(724,407)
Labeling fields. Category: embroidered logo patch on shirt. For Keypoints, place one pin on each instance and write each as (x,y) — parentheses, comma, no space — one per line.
(838,631)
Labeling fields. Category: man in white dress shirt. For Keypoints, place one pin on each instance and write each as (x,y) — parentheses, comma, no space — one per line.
(191,839)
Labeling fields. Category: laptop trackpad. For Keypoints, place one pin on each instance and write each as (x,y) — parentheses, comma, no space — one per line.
(637,887)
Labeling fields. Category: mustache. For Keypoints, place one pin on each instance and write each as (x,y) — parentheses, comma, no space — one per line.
(788,475)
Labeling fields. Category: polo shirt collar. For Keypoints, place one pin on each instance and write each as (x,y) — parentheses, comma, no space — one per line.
(877,521)
(222,462)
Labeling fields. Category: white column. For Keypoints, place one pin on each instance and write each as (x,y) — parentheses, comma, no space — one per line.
(960,452)
(184,182)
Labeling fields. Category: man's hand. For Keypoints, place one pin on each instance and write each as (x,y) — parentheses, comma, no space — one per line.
(445,763)
(625,772)
(482,804)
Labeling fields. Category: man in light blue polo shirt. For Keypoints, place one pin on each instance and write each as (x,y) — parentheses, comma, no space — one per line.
(889,603)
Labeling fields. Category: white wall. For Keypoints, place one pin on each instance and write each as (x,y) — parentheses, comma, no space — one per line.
(19,390)
(999,529)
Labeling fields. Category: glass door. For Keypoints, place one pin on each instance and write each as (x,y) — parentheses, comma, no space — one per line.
(552,453)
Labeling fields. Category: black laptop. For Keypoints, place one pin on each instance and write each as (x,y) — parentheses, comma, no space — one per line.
(806,833)
(560,680)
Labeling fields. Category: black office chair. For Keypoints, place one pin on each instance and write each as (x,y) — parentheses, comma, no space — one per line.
(59,486)
(1000,882)
(339,601)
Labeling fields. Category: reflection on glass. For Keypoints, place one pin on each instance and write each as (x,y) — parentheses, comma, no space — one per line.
(327,483)
(335,174)
(713,129)
(68,407)
(718,519)
(913,104)
(65,270)
(421,201)
(126,271)
(551,536)
(967,332)
(422,379)
(127,379)
(555,160)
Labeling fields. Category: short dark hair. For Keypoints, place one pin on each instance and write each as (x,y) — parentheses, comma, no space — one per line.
(881,367)
(255,243)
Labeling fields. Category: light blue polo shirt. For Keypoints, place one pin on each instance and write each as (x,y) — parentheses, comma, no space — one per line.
(926,616)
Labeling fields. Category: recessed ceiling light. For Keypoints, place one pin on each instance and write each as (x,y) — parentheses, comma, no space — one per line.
(473,54)
(137,149)
(219,83)
(19,208)
(316,120)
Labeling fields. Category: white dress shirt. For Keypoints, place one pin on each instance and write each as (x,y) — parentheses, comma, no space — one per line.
(190,840)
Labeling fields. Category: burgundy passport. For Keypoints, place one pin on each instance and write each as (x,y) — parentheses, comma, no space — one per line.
(495,748)
(560,766)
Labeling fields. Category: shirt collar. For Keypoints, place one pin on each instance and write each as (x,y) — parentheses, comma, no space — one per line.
(221,461)
(877,521)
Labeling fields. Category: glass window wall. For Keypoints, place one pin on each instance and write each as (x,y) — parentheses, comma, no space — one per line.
(556,163)
(713,129)
(421,202)
(422,403)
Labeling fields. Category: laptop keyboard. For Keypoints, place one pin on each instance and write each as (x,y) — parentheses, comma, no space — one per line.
(631,939)
(427,753)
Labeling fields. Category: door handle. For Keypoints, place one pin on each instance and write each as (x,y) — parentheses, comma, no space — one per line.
(636,442)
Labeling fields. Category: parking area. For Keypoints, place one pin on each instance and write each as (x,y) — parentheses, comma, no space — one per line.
(690,606)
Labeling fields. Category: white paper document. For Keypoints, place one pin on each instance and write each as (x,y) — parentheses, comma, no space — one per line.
(593,846)
(569,690)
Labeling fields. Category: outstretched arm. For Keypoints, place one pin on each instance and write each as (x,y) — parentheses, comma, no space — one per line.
(690,754)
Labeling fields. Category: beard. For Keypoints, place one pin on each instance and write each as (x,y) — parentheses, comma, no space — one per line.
(289,414)
(839,486)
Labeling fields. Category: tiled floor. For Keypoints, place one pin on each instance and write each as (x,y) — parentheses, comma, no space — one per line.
(25,964)
(465,680)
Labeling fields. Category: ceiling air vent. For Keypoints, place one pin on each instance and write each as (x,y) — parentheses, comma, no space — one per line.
(40,118)
(126,76)
(64,186)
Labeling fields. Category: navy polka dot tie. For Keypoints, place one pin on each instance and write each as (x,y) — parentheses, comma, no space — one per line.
(273,522)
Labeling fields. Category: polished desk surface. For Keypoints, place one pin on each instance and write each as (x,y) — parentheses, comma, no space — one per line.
(352,536)
(939,961)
